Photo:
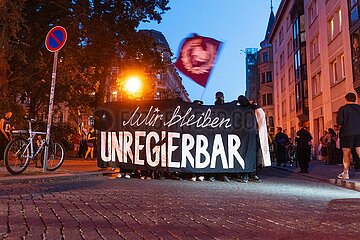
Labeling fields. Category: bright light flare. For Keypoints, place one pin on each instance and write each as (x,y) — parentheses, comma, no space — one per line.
(133,85)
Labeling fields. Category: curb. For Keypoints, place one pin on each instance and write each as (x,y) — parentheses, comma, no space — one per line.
(355,185)
(350,184)
(53,177)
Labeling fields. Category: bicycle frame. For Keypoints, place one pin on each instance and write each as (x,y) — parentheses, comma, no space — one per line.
(30,142)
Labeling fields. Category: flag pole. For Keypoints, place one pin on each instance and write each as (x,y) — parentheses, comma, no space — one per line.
(202,95)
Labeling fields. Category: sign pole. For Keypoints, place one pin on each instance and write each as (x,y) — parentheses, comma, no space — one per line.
(51,109)
(55,40)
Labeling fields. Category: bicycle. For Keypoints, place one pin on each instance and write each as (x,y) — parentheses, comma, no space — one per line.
(291,155)
(21,150)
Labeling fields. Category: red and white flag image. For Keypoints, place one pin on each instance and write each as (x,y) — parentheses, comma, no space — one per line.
(197,57)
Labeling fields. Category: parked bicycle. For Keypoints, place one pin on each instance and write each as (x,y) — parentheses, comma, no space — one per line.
(23,148)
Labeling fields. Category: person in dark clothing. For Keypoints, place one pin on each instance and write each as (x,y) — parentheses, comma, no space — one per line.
(348,117)
(5,129)
(262,150)
(219,100)
(331,146)
(303,147)
(281,141)
(90,138)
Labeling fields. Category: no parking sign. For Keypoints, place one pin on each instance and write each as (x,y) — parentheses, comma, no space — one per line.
(56,39)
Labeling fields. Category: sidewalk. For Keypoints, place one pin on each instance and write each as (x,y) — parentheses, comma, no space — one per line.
(320,171)
(71,169)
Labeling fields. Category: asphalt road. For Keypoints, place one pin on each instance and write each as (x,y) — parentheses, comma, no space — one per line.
(283,206)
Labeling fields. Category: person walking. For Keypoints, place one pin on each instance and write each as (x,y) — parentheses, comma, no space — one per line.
(77,139)
(348,117)
(331,146)
(281,141)
(303,147)
(90,143)
(5,136)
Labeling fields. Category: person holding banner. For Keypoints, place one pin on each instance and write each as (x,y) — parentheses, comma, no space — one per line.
(263,152)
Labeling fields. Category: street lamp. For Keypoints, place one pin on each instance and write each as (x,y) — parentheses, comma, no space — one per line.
(133,85)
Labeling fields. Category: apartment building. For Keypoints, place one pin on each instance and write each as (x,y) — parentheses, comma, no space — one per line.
(328,61)
(289,67)
(312,63)
(265,71)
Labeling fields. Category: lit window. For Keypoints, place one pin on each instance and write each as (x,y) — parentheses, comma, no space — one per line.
(340,20)
(334,76)
(332,28)
(343,74)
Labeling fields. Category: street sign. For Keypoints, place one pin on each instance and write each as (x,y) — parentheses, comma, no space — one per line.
(55,39)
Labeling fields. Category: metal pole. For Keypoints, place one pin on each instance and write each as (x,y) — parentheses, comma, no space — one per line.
(51,109)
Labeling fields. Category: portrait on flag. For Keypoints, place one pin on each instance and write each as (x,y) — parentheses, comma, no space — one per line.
(197,58)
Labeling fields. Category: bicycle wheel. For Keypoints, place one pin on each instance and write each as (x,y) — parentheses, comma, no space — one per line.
(56,156)
(16,157)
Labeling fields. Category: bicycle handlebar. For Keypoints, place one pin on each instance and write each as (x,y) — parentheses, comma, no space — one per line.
(29,119)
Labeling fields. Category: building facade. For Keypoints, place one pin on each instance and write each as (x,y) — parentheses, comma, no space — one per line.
(265,76)
(312,63)
(354,27)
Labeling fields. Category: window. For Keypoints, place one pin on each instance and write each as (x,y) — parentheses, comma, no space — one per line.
(342,59)
(297,63)
(289,47)
(263,77)
(282,84)
(314,48)
(292,102)
(267,99)
(281,35)
(340,20)
(335,25)
(265,57)
(268,77)
(271,123)
(332,28)
(334,74)
(316,84)
(312,12)
(283,108)
(275,46)
(291,74)
(282,59)
(354,10)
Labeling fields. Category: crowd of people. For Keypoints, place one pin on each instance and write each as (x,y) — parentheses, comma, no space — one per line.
(263,153)
(337,145)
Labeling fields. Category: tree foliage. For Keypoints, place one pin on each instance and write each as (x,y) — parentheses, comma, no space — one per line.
(101,34)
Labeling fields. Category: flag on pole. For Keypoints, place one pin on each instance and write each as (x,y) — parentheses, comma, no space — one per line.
(197,58)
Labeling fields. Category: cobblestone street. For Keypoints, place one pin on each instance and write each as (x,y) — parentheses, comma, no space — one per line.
(283,206)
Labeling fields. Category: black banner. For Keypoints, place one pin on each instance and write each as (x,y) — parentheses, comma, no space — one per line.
(173,135)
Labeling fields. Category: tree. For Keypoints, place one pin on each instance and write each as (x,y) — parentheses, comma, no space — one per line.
(101,34)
